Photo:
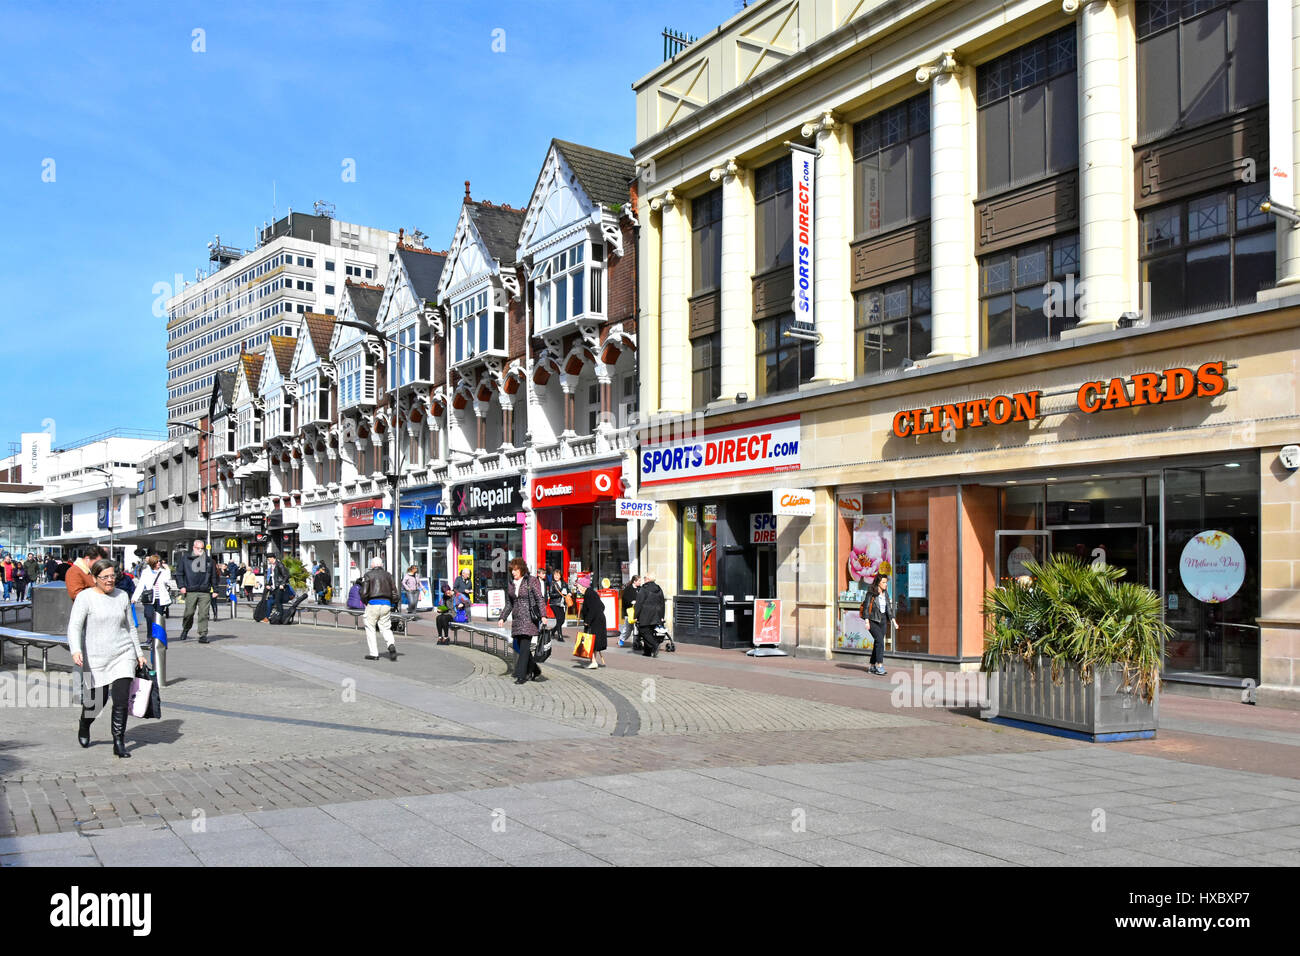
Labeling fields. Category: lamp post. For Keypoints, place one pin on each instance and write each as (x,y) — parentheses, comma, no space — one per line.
(207,514)
(397,443)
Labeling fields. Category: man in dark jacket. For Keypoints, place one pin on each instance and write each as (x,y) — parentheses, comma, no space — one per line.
(379,595)
(51,569)
(276,581)
(196,576)
(650,605)
(464,585)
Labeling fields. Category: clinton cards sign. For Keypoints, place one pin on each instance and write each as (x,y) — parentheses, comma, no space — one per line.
(754,448)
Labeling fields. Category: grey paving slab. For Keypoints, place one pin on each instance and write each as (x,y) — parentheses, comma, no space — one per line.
(64,857)
(756,856)
(244,857)
(569,857)
(415,695)
(329,852)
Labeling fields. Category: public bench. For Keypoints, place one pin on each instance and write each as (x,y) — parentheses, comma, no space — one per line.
(14,608)
(26,639)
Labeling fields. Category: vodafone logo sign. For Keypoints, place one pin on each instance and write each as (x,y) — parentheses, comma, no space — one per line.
(577,488)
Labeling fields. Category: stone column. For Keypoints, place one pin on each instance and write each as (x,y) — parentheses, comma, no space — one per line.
(507,421)
(1279,552)
(1284,94)
(674,346)
(569,385)
(833,310)
(480,432)
(648,253)
(737,288)
(1105,193)
(952,263)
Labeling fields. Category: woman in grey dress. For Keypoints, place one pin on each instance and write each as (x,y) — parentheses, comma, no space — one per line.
(105,647)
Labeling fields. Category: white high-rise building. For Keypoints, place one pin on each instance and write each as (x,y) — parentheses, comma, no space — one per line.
(299,266)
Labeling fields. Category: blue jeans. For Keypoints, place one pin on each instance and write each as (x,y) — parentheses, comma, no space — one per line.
(8,589)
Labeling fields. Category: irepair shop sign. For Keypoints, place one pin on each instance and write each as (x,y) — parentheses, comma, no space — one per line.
(753,448)
(1134,391)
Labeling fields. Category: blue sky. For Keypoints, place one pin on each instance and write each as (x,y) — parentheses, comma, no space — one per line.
(156,148)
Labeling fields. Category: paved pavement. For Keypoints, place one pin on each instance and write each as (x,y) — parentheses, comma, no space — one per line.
(283,746)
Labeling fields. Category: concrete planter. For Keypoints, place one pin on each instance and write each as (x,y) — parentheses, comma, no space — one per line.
(1102,710)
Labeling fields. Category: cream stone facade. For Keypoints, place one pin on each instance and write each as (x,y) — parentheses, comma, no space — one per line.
(1084,212)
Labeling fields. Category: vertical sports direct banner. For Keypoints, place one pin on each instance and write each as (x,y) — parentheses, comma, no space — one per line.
(803,166)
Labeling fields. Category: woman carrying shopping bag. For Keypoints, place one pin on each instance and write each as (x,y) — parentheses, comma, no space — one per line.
(593,623)
(153,593)
(524,602)
(106,649)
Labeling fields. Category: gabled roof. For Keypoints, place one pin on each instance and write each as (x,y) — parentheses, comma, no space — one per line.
(282,347)
(365,300)
(320,329)
(250,365)
(604,177)
(223,384)
(424,269)
(498,227)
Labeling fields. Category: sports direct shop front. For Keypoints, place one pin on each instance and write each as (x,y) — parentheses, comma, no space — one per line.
(720,555)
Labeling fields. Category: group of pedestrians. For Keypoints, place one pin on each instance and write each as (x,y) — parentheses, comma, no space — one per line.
(17,574)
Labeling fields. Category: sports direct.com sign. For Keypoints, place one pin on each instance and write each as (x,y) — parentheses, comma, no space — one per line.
(754,448)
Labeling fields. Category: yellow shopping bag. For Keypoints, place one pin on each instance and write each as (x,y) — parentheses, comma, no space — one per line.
(582,646)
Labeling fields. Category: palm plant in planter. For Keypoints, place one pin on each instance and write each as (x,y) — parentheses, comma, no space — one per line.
(297,572)
(1076,648)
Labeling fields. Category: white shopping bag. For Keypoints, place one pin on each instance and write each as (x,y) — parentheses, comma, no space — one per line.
(138,702)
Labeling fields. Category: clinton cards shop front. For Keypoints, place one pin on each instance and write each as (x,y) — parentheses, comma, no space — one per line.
(723,541)
(578,532)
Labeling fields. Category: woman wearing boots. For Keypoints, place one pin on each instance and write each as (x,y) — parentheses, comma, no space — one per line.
(106,649)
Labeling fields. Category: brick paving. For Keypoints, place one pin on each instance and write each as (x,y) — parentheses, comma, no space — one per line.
(267,724)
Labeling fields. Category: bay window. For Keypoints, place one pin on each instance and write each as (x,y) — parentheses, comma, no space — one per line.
(477,326)
(402,358)
(568,285)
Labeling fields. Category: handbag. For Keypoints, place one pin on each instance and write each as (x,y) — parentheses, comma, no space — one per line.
(583,644)
(144,699)
(542,646)
(534,611)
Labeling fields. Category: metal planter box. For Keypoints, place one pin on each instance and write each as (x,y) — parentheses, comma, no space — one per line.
(1102,710)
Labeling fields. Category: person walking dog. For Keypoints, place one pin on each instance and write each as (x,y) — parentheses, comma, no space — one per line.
(197,577)
(104,642)
(525,603)
(879,614)
(379,595)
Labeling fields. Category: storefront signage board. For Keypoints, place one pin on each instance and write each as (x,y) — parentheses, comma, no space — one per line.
(436,524)
(232,544)
(636,509)
(1137,390)
(486,504)
(762,529)
(577,488)
(753,448)
(359,513)
(318,524)
(793,502)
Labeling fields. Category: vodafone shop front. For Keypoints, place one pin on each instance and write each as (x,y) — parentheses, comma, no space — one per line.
(578,531)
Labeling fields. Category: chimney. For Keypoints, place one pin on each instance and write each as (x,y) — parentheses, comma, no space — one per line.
(467,199)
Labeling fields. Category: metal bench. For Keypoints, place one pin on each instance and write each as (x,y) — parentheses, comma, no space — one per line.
(26,639)
(14,609)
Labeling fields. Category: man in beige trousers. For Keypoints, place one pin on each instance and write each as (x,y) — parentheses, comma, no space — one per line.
(379,595)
